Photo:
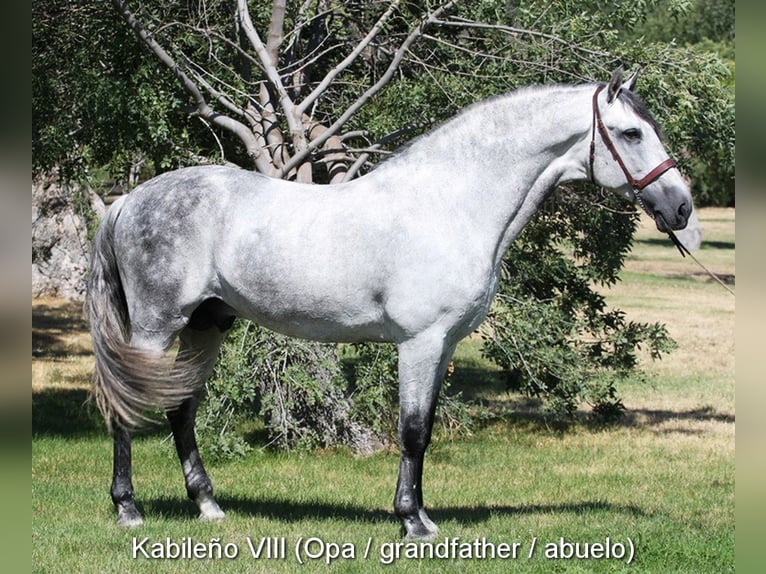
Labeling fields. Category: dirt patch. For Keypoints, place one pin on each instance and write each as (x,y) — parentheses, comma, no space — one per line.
(61,349)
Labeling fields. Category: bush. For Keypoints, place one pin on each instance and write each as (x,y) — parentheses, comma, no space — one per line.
(308,395)
(376,391)
(549,327)
(296,386)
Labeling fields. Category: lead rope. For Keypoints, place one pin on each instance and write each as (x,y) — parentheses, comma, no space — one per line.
(684,252)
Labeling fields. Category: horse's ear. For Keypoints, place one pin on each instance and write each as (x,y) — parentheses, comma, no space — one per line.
(614,84)
(630,83)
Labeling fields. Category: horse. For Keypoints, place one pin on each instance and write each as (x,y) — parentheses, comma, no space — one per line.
(408,253)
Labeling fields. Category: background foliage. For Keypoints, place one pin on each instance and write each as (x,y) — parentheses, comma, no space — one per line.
(104,108)
(105,111)
(549,327)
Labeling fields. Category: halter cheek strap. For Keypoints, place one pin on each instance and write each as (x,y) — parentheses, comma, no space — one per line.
(636,184)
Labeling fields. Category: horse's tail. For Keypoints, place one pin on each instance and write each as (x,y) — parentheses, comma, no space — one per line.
(127,382)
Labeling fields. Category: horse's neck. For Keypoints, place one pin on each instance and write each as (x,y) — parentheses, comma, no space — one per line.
(498,160)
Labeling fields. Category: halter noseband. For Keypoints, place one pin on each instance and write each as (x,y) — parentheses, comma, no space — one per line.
(637,184)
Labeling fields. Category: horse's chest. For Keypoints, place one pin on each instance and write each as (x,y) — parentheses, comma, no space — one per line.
(482,303)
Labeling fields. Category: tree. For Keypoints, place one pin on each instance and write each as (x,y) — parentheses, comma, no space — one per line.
(306,87)
(99,104)
(705,27)
(279,115)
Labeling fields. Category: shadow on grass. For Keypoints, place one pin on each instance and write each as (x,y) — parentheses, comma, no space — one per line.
(666,242)
(726,278)
(69,413)
(472,381)
(527,415)
(64,412)
(51,325)
(648,418)
(290,511)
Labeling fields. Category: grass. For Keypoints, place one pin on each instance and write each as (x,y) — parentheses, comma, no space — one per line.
(664,478)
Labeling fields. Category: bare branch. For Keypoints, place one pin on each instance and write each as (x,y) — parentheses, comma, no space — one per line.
(215,136)
(239,129)
(292,115)
(301,156)
(276,30)
(334,152)
(464,23)
(298,66)
(348,60)
(377,148)
(250,114)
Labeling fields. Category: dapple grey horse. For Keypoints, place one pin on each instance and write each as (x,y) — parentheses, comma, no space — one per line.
(409,253)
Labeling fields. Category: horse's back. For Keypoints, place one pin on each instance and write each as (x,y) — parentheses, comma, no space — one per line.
(275,251)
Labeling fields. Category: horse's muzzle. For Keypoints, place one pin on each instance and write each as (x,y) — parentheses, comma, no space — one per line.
(676,222)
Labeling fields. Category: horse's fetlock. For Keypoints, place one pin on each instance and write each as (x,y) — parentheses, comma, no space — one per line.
(406,505)
(122,495)
(199,488)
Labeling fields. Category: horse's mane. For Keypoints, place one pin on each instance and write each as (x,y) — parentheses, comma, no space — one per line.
(437,124)
(632,99)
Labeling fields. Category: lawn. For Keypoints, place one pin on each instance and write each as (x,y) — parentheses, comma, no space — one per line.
(652,494)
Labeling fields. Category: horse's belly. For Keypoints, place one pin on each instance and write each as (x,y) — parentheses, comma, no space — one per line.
(325,330)
(311,309)
(320,322)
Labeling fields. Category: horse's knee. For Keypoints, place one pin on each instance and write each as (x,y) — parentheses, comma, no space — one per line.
(414,434)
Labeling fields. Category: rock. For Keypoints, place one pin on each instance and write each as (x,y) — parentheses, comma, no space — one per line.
(60,243)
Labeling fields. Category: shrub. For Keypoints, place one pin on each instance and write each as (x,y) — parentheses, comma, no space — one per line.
(296,386)
(308,395)
(550,327)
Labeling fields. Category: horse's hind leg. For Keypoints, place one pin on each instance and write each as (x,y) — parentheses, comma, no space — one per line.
(122,492)
(202,346)
(422,364)
(123,495)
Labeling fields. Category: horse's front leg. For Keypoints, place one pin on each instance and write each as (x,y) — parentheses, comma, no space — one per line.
(422,363)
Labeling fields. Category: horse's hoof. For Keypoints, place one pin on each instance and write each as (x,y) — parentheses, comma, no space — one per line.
(420,527)
(421,535)
(129,518)
(209,511)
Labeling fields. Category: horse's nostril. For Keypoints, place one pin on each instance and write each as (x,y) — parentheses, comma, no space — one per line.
(683,210)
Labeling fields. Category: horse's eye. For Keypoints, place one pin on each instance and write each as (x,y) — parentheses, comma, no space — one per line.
(632,134)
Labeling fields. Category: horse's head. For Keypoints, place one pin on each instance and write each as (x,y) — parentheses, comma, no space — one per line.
(627,155)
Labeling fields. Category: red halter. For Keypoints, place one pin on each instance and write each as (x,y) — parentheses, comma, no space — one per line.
(636,184)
